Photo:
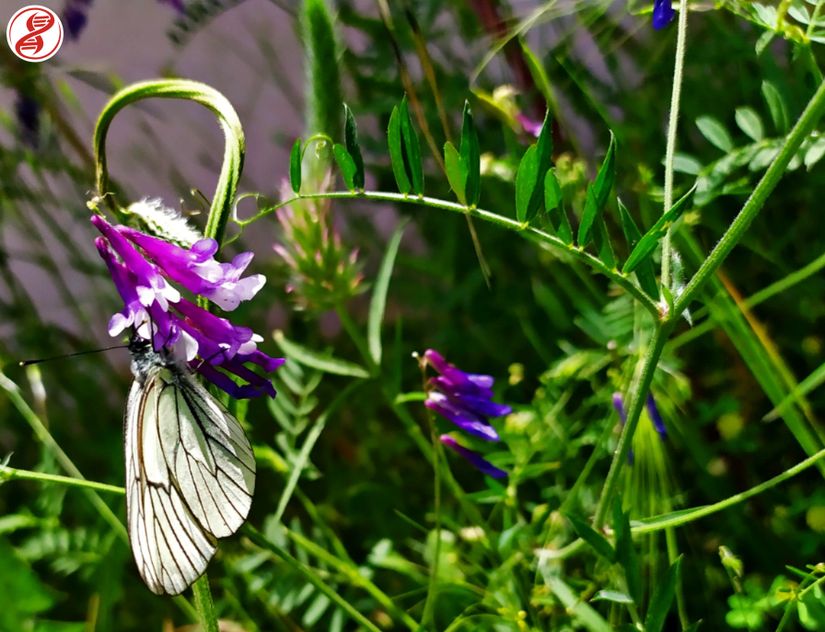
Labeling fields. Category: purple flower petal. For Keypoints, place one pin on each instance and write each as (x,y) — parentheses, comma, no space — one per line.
(475,459)
(212,330)
(655,417)
(198,272)
(663,13)
(618,404)
(464,419)
(149,283)
(481,406)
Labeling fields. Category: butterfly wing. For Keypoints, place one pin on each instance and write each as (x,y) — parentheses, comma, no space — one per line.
(190,475)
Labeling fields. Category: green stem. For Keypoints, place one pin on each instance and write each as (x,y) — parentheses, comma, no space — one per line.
(46,438)
(531,232)
(680,518)
(223,200)
(204,604)
(673,123)
(638,394)
(10,474)
(429,603)
(806,123)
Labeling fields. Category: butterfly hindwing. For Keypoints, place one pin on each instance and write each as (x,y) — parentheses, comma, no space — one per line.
(190,474)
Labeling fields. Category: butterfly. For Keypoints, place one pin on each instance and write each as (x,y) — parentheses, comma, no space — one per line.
(190,471)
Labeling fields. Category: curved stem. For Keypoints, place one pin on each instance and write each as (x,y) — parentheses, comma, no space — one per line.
(673,123)
(536,234)
(222,201)
(10,474)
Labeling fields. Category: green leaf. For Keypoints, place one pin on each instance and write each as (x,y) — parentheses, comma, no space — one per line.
(685,163)
(613,596)
(715,133)
(583,613)
(592,537)
(379,295)
(412,150)
(554,203)
(456,171)
(815,152)
(321,361)
(626,553)
(295,166)
(601,239)
(598,193)
(662,598)
(776,105)
(470,157)
(526,180)
(647,244)
(346,164)
(353,147)
(749,122)
(552,191)
(399,170)
(535,162)
(645,272)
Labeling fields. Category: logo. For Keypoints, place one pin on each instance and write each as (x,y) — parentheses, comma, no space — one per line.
(34,33)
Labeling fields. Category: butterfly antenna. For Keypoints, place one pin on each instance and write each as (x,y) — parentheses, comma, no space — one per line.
(69,355)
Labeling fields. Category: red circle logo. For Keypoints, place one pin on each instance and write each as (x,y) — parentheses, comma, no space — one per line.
(34,33)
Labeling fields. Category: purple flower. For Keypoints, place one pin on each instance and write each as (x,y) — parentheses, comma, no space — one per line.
(663,13)
(474,458)
(141,267)
(529,125)
(655,417)
(464,399)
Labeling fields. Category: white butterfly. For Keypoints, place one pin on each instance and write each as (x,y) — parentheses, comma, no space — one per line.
(190,471)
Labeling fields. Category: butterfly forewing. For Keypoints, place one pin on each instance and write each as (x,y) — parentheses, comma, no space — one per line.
(190,475)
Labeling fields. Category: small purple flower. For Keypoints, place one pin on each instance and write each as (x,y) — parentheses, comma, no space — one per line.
(655,417)
(474,458)
(529,125)
(464,399)
(141,267)
(197,271)
(663,13)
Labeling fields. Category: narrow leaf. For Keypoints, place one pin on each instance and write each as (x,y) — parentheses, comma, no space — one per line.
(412,149)
(715,133)
(776,105)
(662,598)
(601,239)
(353,147)
(598,193)
(554,204)
(592,537)
(625,552)
(647,244)
(295,166)
(379,296)
(572,601)
(399,170)
(456,171)
(644,271)
(346,164)
(470,156)
(321,361)
(526,181)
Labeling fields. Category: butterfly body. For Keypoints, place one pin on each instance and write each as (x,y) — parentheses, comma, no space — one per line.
(190,471)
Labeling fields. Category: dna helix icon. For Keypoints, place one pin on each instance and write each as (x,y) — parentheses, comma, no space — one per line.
(31,43)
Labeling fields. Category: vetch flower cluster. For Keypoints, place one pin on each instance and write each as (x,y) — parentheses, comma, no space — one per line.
(465,399)
(142,267)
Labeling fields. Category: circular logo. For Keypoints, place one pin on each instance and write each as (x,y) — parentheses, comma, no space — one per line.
(35,33)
